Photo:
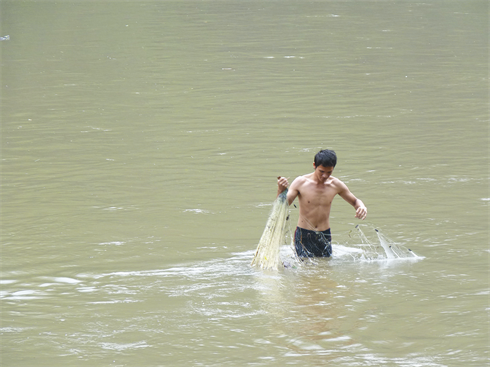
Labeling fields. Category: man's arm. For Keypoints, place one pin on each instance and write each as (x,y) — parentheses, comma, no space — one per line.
(282,184)
(344,192)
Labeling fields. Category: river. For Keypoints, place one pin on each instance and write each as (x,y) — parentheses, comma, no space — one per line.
(140,145)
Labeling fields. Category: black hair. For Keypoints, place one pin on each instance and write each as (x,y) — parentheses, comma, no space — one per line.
(326,158)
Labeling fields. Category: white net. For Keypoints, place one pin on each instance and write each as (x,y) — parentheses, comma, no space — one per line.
(370,244)
(357,244)
(274,235)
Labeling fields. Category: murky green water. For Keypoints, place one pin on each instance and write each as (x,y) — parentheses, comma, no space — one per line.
(140,146)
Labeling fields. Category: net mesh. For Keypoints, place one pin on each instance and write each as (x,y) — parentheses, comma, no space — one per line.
(267,255)
(371,245)
(359,244)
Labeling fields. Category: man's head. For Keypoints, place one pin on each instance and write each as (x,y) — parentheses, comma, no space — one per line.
(326,158)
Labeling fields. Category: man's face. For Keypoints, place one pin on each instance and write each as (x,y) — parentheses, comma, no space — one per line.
(322,172)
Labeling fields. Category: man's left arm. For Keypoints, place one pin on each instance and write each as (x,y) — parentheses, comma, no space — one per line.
(361,210)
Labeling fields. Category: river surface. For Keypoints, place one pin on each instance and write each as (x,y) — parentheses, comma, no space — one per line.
(140,145)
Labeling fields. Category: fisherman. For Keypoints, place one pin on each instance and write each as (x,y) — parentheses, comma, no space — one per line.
(315,192)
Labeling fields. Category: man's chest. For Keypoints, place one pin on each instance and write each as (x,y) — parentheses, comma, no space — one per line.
(315,195)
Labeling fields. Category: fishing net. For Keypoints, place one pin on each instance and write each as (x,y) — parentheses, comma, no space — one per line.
(267,255)
(355,245)
(370,244)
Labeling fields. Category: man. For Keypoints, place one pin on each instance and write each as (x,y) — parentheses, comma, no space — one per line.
(315,192)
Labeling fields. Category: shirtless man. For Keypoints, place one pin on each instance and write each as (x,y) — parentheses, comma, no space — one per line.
(315,192)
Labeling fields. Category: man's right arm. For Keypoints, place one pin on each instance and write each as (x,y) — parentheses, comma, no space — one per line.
(282,184)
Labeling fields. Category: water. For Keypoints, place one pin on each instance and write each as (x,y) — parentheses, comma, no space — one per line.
(141,142)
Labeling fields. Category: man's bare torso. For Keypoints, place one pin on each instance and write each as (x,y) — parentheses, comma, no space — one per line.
(315,192)
(315,200)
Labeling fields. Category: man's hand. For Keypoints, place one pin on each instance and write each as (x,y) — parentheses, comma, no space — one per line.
(361,212)
(282,184)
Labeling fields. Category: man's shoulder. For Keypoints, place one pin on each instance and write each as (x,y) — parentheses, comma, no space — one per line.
(300,182)
(336,182)
(303,179)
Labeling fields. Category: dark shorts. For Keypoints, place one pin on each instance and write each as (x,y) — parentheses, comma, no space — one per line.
(312,243)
